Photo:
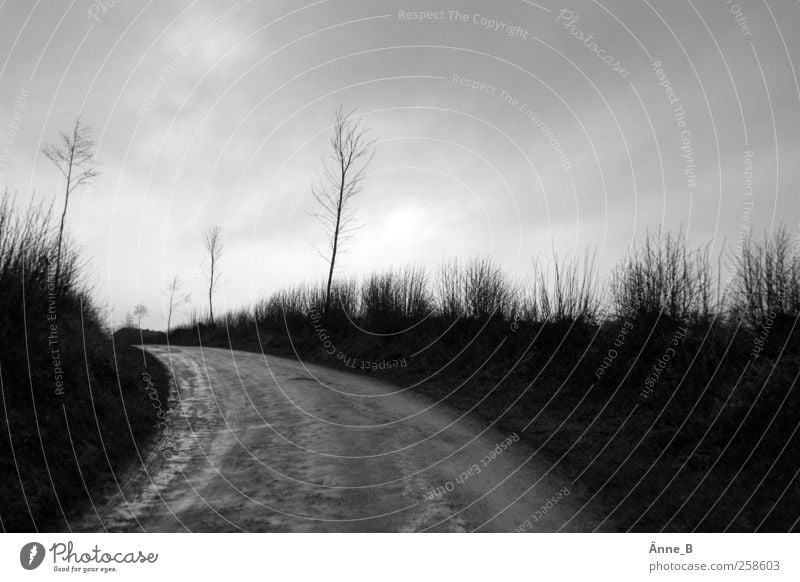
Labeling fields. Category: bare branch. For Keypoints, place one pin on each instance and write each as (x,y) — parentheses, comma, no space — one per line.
(343,173)
(74,159)
(175,299)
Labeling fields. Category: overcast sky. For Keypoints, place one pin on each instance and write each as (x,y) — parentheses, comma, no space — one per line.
(217,113)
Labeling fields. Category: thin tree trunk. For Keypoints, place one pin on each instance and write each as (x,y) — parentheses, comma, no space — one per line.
(335,243)
(63,217)
(333,260)
(210,291)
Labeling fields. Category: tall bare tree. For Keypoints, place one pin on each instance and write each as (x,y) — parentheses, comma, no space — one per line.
(74,158)
(213,246)
(344,169)
(175,299)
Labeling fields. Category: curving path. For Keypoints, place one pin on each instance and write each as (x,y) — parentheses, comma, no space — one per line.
(261,443)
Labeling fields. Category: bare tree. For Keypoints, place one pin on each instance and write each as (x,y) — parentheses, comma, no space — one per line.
(74,158)
(343,174)
(175,299)
(140,311)
(213,246)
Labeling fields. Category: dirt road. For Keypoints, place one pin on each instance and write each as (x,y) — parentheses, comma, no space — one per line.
(261,443)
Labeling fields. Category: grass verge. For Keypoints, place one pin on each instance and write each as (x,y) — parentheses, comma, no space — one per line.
(75,409)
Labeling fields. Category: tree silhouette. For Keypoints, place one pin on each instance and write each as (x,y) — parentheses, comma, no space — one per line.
(343,174)
(213,246)
(74,158)
(139,312)
(175,299)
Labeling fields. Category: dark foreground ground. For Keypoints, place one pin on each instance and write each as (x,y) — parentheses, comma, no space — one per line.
(59,452)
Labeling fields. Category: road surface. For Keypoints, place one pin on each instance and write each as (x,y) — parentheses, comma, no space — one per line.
(261,443)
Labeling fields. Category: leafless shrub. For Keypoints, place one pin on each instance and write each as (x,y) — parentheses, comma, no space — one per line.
(663,277)
(767,279)
(450,287)
(239,318)
(563,291)
(487,290)
(477,289)
(29,249)
(345,297)
(393,296)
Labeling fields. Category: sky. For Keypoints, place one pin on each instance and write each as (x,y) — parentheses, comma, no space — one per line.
(506,128)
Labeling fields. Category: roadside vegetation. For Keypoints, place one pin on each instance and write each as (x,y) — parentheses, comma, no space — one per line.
(75,408)
(668,392)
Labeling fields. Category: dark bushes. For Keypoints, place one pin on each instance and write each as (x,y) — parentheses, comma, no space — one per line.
(393,298)
(766,288)
(73,411)
(663,278)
